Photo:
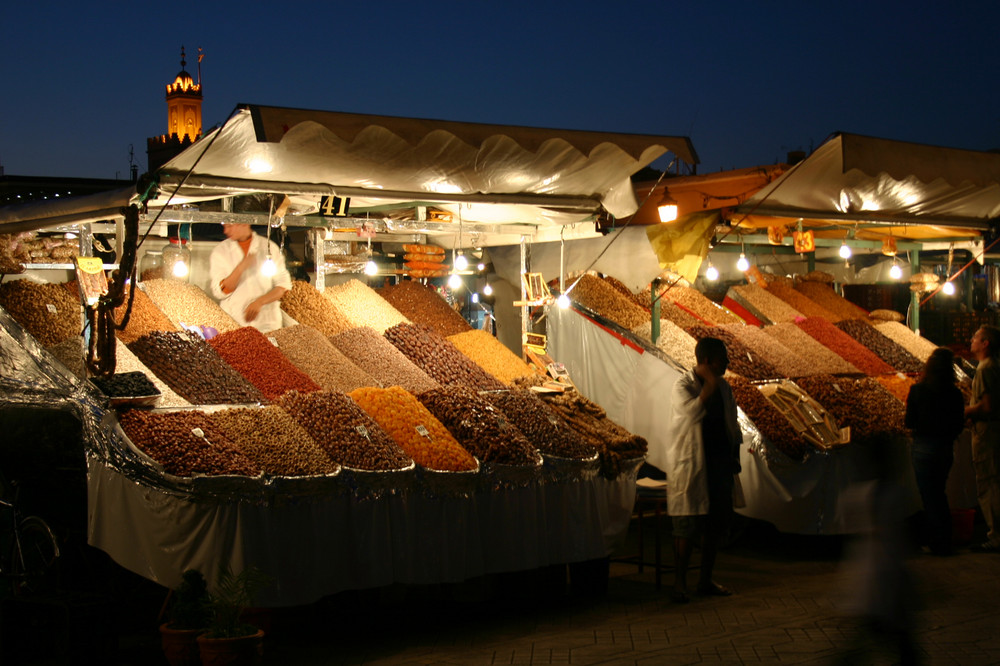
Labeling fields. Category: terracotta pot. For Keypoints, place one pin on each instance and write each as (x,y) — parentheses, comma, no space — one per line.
(180,646)
(245,650)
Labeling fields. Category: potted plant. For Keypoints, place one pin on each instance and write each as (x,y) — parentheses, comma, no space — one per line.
(229,639)
(188,615)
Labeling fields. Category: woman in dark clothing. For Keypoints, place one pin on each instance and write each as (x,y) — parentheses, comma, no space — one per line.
(935,415)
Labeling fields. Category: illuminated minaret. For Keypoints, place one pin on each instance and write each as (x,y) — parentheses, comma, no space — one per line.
(183,117)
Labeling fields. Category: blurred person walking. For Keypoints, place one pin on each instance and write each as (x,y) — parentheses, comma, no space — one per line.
(984,412)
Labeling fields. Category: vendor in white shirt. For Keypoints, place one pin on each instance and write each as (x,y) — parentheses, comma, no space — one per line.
(243,290)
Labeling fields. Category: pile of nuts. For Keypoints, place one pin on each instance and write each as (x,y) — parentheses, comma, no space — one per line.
(274,441)
(769,420)
(823,294)
(742,360)
(674,341)
(379,358)
(306,305)
(185,303)
(261,363)
(614,443)
(918,346)
(543,427)
(313,353)
(185,443)
(767,304)
(422,305)
(807,306)
(363,307)
(70,353)
(143,318)
(897,385)
(491,355)
(126,384)
(482,429)
(699,304)
(845,346)
(193,369)
(47,311)
(764,346)
(601,298)
(127,361)
(883,346)
(439,358)
(863,404)
(344,431)
(824,361)
(414,428)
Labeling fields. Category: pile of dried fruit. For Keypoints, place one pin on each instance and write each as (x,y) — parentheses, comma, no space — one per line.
(674,341)
(762,345)
(344,431)
(761,301)
(742,360)
(185,443)
(482,429)
(823,361)
(887,349)
(699,304)
(863,404)
(47,311)
(190,366)
(414,428)
(422,305)
(306,305)
(273,441)
(261,363)
(439,358)
(70,353)
(185,303)
(363,307)
(315,355)
(144,317)
(918,346)
(808,307)
(127,361)
(379,358)
(769,420)
(491,355)
(897,385)
(823,294)
(543,427)
(126,384)
(846,347)
(603,299)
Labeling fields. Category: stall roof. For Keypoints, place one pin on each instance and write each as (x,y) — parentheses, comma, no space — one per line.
(877,187)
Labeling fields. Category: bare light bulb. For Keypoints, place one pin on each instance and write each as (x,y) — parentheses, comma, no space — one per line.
(563,301)
(895,272)
(488,290)
(742,264)
(475,297)
(180,268)
(845,251)
(268,268)
(455,281)
(371,268)
(480,267)
(712,273)
(461,263)
(948,288)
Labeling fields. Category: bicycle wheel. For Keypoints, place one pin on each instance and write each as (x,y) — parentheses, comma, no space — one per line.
(33,557)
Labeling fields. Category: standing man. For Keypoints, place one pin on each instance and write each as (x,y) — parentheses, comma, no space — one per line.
(702,459)
(984,412)
(242,281)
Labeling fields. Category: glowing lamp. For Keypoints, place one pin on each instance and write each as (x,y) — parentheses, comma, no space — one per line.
(180,269)
(895,272)
(461,263)
(667,208)
(742,264)
(487,289)
(948,288)
(563,301)
(268,268)
(455,281)
(845,251)
(712,273)
(371,268)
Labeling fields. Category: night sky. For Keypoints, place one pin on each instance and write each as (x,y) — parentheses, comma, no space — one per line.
(747,81)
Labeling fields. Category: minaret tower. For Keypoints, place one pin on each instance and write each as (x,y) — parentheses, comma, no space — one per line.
(184,105)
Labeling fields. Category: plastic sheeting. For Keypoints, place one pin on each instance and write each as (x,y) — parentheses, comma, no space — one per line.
(634,388)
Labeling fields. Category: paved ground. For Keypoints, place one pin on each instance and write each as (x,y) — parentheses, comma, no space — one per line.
(792,607)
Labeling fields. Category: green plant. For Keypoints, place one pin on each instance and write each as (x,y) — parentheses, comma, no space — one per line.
(190,608)
(234,593)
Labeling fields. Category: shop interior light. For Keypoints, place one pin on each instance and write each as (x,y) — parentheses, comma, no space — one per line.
(895,272)
(371,268)
(742,264)
(487,289)
(712,273)
(845,251)
(461,263)
(563,301)
(948,288)
(455,281)
(480,267)
(667,208)
(268,268)
(475,297)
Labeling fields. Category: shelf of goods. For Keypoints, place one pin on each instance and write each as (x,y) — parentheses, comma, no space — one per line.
(235,446)
(808,424)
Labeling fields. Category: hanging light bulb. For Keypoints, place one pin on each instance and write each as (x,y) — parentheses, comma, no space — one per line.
(895,272)
(948,288)
(488,290)
(371,268)
(563,301)
(742,264)
(455,281)
(461,263)
(475,297)
(845,251)
(268,268)
(480,267)
(667,208)
(180,268)
(712,273)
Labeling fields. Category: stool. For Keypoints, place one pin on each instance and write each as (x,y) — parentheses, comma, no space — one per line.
(656,499)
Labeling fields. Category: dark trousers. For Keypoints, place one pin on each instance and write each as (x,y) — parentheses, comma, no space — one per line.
(931,464)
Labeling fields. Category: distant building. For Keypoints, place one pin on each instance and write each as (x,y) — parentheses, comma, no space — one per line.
(183,118)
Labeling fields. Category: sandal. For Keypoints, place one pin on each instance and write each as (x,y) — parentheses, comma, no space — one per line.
(714,590)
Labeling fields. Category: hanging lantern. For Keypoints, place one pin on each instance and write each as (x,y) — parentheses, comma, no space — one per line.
(889,246)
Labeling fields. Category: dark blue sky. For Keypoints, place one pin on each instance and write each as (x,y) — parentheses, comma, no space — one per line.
(747,81)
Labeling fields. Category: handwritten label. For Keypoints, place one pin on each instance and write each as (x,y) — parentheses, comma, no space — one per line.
(363,431)
(51,308)
(423,432)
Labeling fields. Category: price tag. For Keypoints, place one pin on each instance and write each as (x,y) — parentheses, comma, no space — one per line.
(274,341)
(51,308)
(423,432)
(363,431)
(837,388)
(92,265)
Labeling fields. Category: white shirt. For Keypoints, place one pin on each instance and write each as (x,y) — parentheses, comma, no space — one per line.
(252,285)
